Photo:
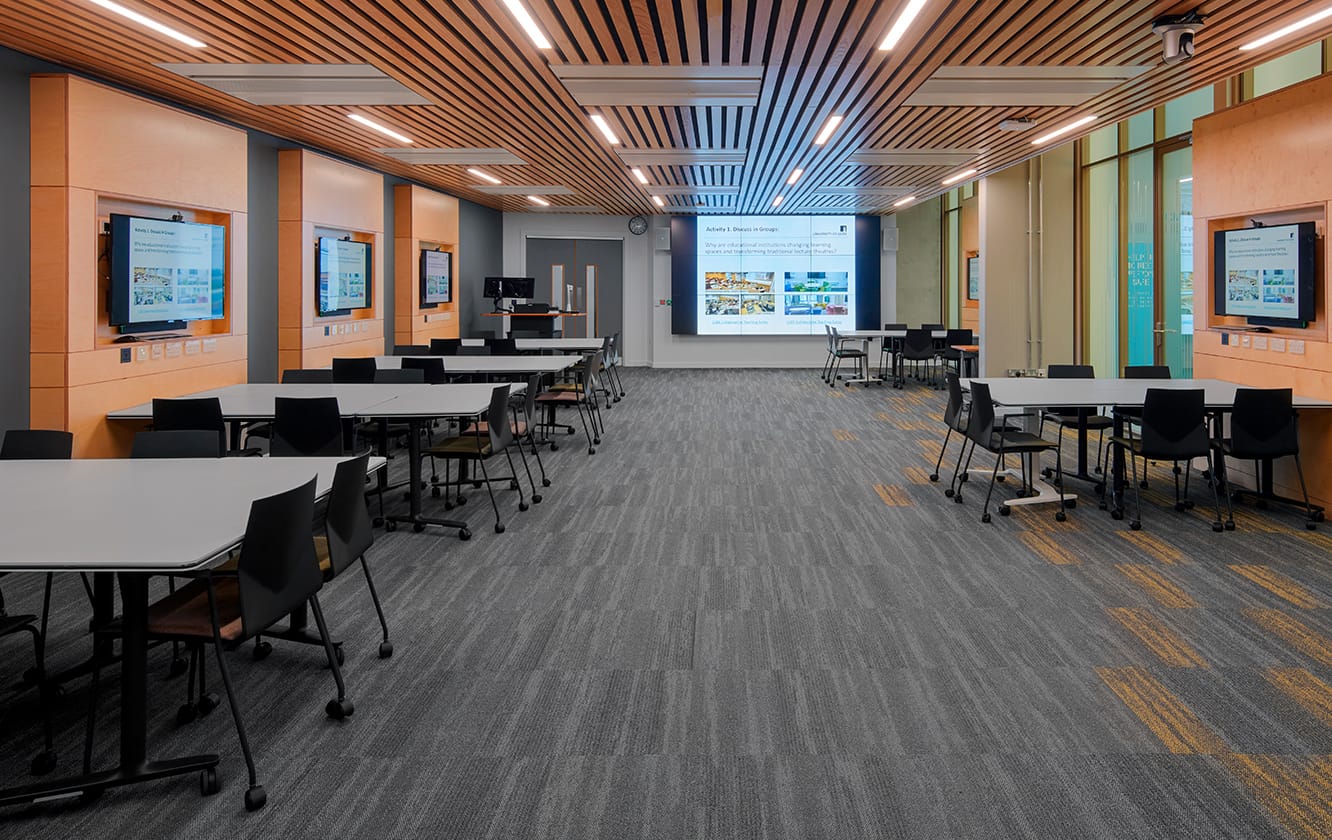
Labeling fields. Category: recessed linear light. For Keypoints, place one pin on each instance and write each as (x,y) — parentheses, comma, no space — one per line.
(371,124)
(1187,180)
(1061,131)
(829,126)
(795,176)
(600,122)
(961,176)
(776,202)
(902,202)
(656,199)
(538,200)
(1286,30)
(150,23)
(638,173)
(524,18)
(484,176)
(900,25)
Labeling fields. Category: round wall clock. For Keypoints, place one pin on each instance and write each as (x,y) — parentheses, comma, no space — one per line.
(638,225)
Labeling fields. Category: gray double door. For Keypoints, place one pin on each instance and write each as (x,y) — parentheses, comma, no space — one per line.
(586,275)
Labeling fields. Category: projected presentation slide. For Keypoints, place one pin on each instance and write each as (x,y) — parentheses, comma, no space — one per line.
(175,271)
(1261,270)
(776,275)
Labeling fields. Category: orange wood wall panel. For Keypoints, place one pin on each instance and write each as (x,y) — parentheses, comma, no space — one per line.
(422,219)
(1267,158)
(96,150)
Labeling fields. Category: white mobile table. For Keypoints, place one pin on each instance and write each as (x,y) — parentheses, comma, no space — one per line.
(883,335)
(135,518)
(568,345)
(490,365)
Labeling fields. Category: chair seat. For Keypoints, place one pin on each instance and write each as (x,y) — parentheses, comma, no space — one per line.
(15,623)
(567,397)
(321,552)
(460,447)
(519,428)
(849,354)
(1018,442)
(185,612)
(1228,447)
(1096,422)
(1134,445)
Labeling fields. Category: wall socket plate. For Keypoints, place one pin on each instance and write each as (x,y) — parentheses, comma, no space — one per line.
(1296,347)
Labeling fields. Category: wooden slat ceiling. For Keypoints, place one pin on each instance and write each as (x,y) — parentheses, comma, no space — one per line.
(492,88)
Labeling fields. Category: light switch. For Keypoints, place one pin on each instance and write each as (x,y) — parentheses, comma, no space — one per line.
(1278,345)
(1296,347)
(1260,342)
(143,353)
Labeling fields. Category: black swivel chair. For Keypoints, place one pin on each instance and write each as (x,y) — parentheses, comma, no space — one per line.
(36,445)
(432,369)
(175,444)
(189,414)
(349,534)
(613,364)
(918,347)
(1070,417)
(311,377)
(1174,428)
(994,437)
(411,350)
(445,346)
(306,427)
(1263,427)
(354,371)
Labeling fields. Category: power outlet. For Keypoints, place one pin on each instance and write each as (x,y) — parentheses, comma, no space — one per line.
(1296,347)
(126,355)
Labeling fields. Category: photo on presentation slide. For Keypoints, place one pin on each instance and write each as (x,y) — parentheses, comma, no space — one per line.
(153,286)
(758,304)
(817,281)
(1241,286)
(721,304)
(1278,286)
(817,304)
(738,281)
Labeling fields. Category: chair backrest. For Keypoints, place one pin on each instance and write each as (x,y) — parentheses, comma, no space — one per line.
(277,571)
(37,445)
(445,346)
(313,377)
(497,418)
(980,421)
(1147,372)
(358,370)
(1070,372)
(587,376)
(181,443)
(400,376)
(894,326)
(191,414)
(529,400)
(615,344)
(918,343)
(1263,424)
(306,427)
(347,521)
(411,349)
(931,327)
(431,368)
(959,337)
(502,346)
(953,414)
(1173,424)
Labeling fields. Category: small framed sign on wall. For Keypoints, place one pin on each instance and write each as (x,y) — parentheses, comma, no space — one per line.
(973,276)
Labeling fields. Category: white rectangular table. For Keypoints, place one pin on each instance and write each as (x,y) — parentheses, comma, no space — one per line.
(135,518)
(568,345)
(883,335)
(490,365)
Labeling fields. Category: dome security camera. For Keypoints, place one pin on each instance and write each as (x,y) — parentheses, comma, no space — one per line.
(1177,33)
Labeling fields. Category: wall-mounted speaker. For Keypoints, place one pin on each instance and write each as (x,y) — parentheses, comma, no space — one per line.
(889,239)
(663,241)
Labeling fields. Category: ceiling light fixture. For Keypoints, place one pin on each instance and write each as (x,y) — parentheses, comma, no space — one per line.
(1060,132)
(902,202)
(829,126)
(524,18)
(1187,180)
(536,199)
(371,124)
(1286,30)
(150,23)
(638,173)
(484,176)
(795,176)
(900,25)
(961,176)
(776,202)
(656,199)
(600,122)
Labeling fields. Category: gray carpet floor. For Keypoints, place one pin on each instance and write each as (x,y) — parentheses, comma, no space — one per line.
(751,615)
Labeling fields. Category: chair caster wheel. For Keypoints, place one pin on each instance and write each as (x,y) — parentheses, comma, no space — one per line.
(545,482)
(255,798)
(464,535)
(390,526)
(1135,525)
(985,517)
(499,527)
(449,506)
(209,783)
(476,485)
(207,703)
(522,505)
(934,476)
(1116,515)
(949,493)
(1060,516)
(1070,504)
(186,714)
(1230,525)
(1005,511)
(513,485)
(462,500)
(554,447)
(178,667)
(385,650)
(1000,478)
(1046,472)
(418,527)
(337,653)
(591,451)
(1218,527)
(569,432)
(434,492)
(43,763)
(340,709)
(262,650)
(597,441)
(957,498)
(536,498)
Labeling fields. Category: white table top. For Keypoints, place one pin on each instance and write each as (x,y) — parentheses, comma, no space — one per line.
(427,401)
(108,515)
(1088,393)
(575,345)
(490,364)
(862,334)
(255,401)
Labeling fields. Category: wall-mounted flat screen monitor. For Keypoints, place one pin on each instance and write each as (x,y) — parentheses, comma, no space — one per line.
(1267,274)
(343,275)
(436,278)
(166,272)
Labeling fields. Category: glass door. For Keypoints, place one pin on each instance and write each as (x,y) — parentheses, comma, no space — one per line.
(1174,304)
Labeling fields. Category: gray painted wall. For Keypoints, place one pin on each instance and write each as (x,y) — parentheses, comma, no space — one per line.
(481,255)
(263,264)
(919,263)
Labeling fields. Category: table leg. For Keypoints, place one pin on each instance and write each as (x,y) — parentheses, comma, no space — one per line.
(414,517)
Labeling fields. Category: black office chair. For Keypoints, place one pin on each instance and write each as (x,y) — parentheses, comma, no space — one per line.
(1174,428)
(307,427)
(445,346)
(276,573)
(918,347)
(175,444)
(400,376)
(955,420)
(522,408)
(310,377)
(613,364)
(478,449)
(1069,417)
(432,369)
(844,348)
(36,445)
(985,432)
(189,414)
(348,534)
(955,357)
(891,348)
(582,397)
(1264,426)
(502,346)
(1133,413)
(411,350)
(354,371)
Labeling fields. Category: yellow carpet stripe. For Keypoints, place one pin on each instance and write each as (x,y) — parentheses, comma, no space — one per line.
(917,475)
(1306,689)
(1159,639)
(1298,792)
(837,393)
(1294,633)
(1179,729)
(884,416)
(892,495)
(1047,548)
(1154,546)
(1157,585)
(843,435)
(1279,585)
(1318,538)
